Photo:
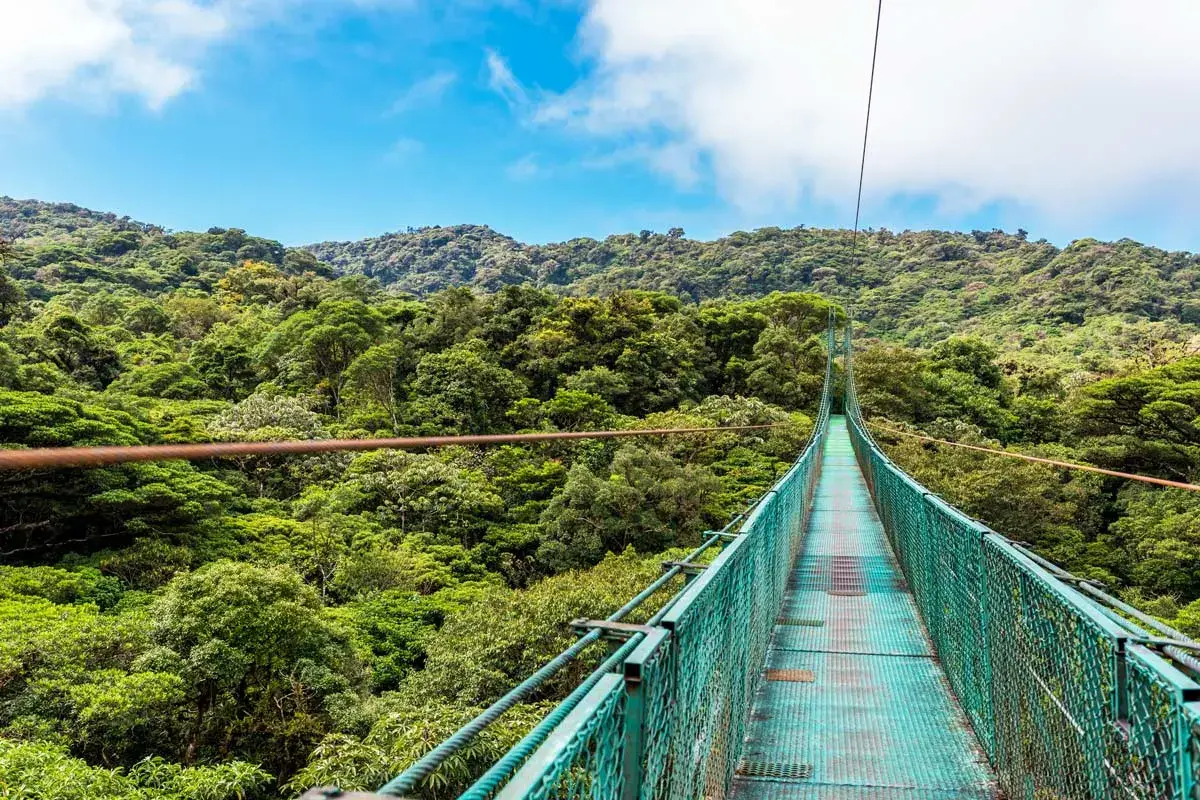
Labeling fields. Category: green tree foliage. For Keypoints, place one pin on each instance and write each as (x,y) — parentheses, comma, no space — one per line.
(1148,422)
(250,624)
(173,380)
(81,505)
(646,500)
(461,389)
(260,657)
(36,770)
(313,349)
(246,628)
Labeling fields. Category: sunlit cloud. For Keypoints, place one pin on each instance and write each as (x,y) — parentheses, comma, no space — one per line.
(503,82)
(151,50)
(1071,107)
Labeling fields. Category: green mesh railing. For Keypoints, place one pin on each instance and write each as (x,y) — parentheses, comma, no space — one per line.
(669,723)
(664,716)
(1071,693)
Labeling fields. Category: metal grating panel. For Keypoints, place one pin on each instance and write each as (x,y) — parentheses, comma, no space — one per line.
(803,622)
(847,575)
(774,769)
(879,622)
(838,572)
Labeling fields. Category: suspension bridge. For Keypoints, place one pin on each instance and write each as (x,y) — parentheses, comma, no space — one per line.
(857,637)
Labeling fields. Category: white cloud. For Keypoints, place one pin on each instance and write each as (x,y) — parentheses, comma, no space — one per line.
(97,49)
(1071,107)
(525,168)
(425,90)
(502,81)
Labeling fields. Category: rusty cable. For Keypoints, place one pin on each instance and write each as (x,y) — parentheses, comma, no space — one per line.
(98,456)
(1191,487)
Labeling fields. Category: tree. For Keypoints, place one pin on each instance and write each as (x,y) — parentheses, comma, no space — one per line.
(785,370)
(223,358)
(260,659)
(76,350)
(462,389)
(969,356)
(892,382)
(266,418)
(374,378)
(503,635)
(1147,422)
(53,507)
(173,381)
(418,491)
(12,297)
(647,502)
(1160,532)
(314,348)
(573,410)
(147,318)
(659,369)
(46,769)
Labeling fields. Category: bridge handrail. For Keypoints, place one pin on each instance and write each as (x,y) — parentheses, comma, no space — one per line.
(615,719)
(1071,692)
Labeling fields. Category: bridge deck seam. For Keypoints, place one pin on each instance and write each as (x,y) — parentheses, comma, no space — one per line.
(852,652)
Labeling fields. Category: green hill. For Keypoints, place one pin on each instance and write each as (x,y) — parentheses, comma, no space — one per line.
(247,628)
(1113,299)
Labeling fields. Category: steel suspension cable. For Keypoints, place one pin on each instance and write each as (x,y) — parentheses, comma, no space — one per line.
(46,457)
(862,167)
(1191,487)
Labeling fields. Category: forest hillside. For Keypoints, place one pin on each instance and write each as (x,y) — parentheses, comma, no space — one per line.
(247,628)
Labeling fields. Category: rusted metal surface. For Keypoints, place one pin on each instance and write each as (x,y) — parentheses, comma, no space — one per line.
(46,457)
(1129,476)
(774,769)
(620,630)
(794,675)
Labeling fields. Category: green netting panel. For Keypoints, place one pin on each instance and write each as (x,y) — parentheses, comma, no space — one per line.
(1054,680)
(1151,747)
(657,687)
(582,758)
(1191,755)
(679,711)
(1062,696)
(957,614)
(712,665)
(720,631)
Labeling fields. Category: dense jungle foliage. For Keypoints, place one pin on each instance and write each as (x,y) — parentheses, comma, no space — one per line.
(250,627)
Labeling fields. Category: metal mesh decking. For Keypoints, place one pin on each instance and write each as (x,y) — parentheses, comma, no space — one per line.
(877,718)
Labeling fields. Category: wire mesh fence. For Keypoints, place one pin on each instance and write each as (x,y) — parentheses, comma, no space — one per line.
(667,719)
(1068,696)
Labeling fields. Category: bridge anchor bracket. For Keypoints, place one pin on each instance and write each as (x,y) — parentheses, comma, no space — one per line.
(686,567)
(620,631)
(724,536)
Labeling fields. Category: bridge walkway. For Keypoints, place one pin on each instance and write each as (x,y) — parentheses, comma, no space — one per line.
(854,704)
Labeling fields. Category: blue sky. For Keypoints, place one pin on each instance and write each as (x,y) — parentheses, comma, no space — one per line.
(307,120)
